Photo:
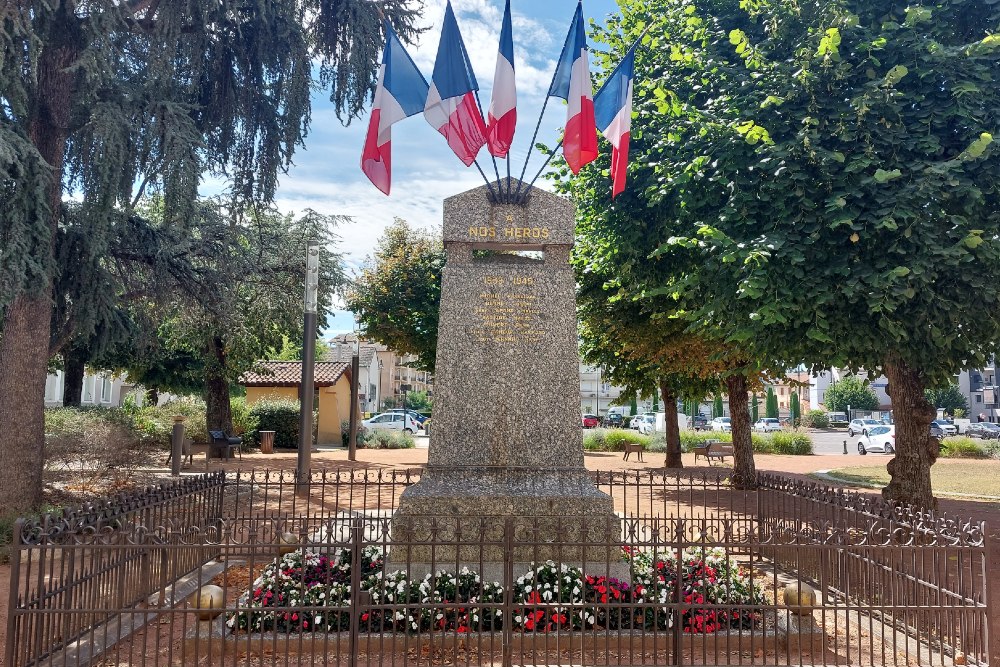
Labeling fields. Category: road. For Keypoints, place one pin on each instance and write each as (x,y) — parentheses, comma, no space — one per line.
(832,442)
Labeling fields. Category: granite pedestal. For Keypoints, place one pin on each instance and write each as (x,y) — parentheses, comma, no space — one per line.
(507,440)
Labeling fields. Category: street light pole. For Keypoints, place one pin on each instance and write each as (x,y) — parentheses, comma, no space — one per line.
(308,393)
(352,442)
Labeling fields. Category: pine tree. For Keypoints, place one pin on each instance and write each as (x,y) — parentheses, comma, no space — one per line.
(717,406)
(151,93)
(771,404)
(755,409)
(795,409)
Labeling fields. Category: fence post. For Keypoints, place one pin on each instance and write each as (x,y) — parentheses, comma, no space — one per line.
(677,654)
(15,585)
(508,593)
(991,585)
(357,544)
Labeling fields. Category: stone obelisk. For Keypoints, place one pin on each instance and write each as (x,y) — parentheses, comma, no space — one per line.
(506,439)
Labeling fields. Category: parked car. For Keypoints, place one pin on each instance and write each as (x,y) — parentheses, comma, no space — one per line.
(637,419)
(413,413)
(395,421)
(984,430)
(614,420)
(767,424)
(862,426)
(936,431)
(648,424)
(591,421)
(880,439)
(700,423)
(722,424)
(946,426)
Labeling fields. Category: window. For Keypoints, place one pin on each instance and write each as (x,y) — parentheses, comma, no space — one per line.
(979,398)
(105,390)
(52,388)
(88,389)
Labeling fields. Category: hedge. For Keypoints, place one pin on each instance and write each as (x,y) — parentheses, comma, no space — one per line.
(613,440)
(280,415)
(784,442)
(962,447)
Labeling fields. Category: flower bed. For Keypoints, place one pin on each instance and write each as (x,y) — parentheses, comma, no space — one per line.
(306,592)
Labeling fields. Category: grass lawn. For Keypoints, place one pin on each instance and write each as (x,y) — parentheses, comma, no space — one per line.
(978,478)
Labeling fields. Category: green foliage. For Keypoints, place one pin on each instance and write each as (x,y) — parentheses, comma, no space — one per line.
(244,421)
(418,401)
(783,442)
(717,406)
(816,419)
(280,416)
(795,408)
(754,408)
(398,292)
(948,398)
(381,438)
(850,391)
(961,447)
(771,404)
(612,440)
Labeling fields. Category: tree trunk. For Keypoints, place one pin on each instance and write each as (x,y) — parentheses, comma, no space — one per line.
(744,471)
(218,411)
(673,432)
(74,368)
(916,450)
(24,347)
(152,397)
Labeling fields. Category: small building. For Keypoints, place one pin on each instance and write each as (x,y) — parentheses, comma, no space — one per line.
(282,379)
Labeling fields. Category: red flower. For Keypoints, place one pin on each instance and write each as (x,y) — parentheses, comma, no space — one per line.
(534,598)
(364,616)
(462,628)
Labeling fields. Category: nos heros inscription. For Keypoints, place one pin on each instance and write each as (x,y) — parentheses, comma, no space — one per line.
(484,232)
(508,311)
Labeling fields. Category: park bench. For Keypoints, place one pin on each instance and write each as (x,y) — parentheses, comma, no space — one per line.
(633,447)
(221,445)
(713,449)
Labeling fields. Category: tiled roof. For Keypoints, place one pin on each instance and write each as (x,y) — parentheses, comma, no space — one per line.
(289,374)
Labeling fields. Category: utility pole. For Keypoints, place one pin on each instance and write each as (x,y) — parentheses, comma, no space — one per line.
(352,442)
(308,393)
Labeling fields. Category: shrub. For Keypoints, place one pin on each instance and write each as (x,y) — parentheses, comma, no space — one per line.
(692,439)
(97,444)
(593,440)
(244,420)
(816,419)
(280,415)
(616,439)
(381,438)
(992,448)
(782,442)
(962,447)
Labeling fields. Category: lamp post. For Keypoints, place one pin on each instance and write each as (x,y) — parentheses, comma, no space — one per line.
(378,396)
(308,369)
(352,442)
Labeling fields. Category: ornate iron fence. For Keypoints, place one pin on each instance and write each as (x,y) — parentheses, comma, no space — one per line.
(690,571)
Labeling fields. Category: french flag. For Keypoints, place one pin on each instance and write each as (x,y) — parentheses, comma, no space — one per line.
(571,82)
(451,107)
(502,116)
(613,111)
(401,93)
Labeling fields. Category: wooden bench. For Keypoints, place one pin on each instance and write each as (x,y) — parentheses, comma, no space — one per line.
(719,451)
(633,447)
(713,449)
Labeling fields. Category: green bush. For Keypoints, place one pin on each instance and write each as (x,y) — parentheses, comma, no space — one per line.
(381,438)
(692,439)
(961,447)
(992,448)
(616,439)
(783,442)
(280,415)
(816,419)
(593,440)
(244,420)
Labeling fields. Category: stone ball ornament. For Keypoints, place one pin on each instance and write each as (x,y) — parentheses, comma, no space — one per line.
(800,598)
(288,542)
(209,600)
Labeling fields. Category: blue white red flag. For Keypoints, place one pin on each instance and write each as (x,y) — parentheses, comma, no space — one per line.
(502,116)
(613,112)
(571,82)
(401,93)
(451,107)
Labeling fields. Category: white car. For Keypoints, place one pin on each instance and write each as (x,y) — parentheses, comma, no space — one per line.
(767,425)
(394,421)
(722,424)
(946,426)
(862,426)
(648,424)
(880,439)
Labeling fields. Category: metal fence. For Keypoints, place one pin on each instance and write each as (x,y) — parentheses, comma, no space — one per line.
(687,571)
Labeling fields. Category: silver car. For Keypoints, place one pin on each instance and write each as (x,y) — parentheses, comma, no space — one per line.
(862,426)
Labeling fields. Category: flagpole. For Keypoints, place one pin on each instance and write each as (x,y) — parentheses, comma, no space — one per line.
(534,136)
(544,165)
(496,169)
(489,186)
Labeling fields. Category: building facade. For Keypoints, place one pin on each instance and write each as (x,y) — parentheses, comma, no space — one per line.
(596,394)
(99,388)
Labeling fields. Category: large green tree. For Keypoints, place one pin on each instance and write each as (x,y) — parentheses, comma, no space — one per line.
(852,392)
(830,167)
(111,99)
(947,397)
(397,294)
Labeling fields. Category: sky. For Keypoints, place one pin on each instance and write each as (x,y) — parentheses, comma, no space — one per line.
(327,178)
